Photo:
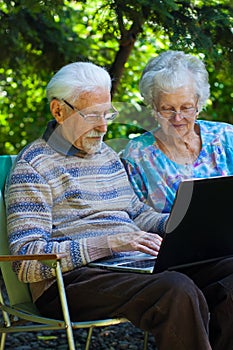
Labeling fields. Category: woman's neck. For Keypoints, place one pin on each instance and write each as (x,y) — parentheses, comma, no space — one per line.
(180,150)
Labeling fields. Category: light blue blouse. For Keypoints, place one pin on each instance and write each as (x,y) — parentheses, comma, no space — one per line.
(155,177)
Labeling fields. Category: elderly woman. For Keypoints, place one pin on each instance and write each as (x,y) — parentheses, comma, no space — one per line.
(175,85)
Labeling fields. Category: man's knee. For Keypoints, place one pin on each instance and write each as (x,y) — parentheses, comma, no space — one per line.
(177,282)
(180,290)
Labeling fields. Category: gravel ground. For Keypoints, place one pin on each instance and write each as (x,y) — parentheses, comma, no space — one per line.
(120,337)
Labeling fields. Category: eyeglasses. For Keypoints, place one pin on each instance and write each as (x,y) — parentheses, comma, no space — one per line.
(93,117)
(184,113)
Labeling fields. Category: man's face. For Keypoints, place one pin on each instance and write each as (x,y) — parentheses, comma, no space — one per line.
(83,134)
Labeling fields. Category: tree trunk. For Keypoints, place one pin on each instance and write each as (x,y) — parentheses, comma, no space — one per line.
(127,42)
(118,65)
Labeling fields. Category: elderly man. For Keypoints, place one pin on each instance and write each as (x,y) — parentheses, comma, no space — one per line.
(69,192)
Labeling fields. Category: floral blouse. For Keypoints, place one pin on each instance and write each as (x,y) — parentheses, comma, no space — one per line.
(155,178)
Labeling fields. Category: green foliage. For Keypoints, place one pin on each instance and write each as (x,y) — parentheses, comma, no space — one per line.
(38,37)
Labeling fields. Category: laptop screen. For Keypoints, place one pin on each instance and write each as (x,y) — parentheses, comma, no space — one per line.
(200,226)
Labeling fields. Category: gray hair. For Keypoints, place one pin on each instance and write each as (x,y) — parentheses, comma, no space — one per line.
(75,78)
(172,70)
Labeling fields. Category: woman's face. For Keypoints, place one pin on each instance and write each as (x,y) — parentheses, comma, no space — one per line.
(184,102)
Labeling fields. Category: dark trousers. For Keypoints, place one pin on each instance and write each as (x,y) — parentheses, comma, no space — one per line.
(184,310)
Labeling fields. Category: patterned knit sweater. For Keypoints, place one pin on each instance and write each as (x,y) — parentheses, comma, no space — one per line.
(61,200)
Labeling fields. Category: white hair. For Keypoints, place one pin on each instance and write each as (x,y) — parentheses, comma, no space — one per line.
(172,70)
(75,78)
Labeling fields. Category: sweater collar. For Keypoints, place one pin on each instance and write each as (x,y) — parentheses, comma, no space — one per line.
(55,140)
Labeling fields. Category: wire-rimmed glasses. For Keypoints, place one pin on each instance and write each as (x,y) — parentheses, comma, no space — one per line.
(93,117)
(184,113)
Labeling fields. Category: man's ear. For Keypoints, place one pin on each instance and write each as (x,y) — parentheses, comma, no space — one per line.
(57,111)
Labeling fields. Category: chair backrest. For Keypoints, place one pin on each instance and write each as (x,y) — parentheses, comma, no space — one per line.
(6,162)
(17,291)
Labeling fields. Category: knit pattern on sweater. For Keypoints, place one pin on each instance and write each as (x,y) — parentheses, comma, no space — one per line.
(58,203)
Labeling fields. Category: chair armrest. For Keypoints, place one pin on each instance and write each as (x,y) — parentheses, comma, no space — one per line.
(39,257)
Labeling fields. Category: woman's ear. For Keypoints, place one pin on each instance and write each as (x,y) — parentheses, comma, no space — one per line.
(57,110)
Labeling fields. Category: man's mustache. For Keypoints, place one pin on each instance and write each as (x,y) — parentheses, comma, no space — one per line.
(94,133)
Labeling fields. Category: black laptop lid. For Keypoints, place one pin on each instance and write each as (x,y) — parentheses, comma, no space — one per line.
(200,227)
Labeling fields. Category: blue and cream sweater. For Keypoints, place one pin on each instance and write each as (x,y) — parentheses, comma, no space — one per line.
(62,200)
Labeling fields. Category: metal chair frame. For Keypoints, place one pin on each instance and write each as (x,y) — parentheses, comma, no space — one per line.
(19,312)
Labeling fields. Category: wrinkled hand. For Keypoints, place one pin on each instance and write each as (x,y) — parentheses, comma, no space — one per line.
(142,241)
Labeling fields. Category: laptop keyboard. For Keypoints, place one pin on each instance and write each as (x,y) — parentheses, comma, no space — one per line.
(140,263)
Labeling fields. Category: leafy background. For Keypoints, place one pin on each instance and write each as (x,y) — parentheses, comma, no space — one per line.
(39,37)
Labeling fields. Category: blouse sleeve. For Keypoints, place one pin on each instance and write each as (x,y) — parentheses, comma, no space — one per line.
(137,179)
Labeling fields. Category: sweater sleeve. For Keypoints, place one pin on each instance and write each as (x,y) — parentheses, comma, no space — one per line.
(29,202)
(147,218)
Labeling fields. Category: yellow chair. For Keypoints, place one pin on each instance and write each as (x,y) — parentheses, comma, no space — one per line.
(17,306)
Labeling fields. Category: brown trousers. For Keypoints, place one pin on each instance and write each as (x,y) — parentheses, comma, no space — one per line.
(184,310)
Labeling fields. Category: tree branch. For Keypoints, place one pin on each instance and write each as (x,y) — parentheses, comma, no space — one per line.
(126,45)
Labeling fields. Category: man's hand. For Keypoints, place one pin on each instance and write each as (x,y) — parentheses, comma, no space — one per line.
(142,241)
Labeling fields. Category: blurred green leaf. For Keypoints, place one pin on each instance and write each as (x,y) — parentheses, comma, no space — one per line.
(39,37)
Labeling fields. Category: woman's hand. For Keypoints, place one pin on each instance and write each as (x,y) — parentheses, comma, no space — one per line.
(142,241)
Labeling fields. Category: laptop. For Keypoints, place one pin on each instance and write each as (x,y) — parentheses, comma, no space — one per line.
(199,230)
